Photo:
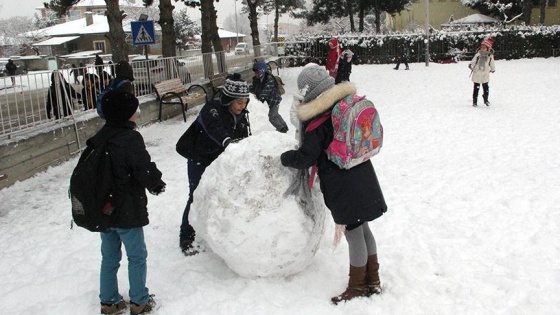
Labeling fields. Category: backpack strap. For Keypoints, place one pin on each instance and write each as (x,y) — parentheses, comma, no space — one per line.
(312,126)
(318,121)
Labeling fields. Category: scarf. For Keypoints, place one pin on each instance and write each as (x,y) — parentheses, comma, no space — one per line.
(482,60)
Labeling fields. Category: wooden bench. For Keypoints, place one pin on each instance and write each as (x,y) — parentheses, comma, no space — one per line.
(217,83)
(175,92)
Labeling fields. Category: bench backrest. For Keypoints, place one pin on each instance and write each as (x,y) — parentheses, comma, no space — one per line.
(218,80)
(173,85)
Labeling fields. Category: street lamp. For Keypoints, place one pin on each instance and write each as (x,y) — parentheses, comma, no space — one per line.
(236,28)
(427,33)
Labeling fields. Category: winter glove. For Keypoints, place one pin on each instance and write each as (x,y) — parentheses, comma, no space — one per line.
(157,190)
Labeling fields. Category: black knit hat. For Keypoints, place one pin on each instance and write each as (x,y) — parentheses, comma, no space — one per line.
(234,88)
(118,105)
(124,70)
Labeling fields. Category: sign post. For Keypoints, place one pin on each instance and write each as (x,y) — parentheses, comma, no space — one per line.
(143,33)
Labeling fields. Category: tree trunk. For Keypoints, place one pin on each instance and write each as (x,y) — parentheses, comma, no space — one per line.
(527,8)
(377,19)
(253,19)
(350,15)
(167,29)
(543,12)
(116,35)
(210,38)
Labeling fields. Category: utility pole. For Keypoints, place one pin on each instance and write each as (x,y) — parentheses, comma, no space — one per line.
(427,33)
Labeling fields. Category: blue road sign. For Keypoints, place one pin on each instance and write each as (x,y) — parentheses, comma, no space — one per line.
(143,32)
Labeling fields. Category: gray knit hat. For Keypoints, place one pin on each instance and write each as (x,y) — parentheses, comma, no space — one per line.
(315,80)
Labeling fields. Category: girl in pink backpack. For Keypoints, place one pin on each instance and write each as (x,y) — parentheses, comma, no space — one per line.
(353,195)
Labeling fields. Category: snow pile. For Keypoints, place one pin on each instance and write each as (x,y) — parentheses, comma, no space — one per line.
(250,224)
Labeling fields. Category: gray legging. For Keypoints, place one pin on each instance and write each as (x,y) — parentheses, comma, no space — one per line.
(275,118)
(361,244)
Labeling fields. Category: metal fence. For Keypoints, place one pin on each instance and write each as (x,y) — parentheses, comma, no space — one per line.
(25,101)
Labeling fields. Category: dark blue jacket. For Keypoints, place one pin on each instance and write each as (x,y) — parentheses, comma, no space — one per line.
(214,128)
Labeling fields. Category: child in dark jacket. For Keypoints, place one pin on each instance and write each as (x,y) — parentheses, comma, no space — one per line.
(133,172)
(353,196)
(344,66)
(265,90)
(218,124)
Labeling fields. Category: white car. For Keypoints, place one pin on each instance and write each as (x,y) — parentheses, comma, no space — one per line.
(242,49)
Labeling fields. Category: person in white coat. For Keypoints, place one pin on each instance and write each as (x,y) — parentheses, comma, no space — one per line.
(481,66)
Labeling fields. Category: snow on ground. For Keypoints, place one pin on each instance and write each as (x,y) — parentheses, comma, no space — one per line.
(472,227)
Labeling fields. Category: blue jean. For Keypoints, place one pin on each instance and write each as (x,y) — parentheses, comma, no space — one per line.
(111,254)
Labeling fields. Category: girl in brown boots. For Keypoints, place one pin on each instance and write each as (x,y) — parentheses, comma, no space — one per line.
(353,195)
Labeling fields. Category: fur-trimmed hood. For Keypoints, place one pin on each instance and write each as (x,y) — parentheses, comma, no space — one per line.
(325,101)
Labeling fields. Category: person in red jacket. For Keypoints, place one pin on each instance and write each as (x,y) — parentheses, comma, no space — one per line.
(332,59)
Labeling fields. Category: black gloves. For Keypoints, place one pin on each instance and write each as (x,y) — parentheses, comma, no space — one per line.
(157,190)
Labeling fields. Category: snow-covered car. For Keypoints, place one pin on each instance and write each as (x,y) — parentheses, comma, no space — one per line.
(241,49)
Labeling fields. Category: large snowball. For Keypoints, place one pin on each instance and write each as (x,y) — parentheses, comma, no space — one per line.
(241,212)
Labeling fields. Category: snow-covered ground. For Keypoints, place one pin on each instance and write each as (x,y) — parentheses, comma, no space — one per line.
(472,227)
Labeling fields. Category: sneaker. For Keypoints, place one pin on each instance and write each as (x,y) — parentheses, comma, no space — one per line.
(113,309)
(145,308)
(396,68)
(487,103)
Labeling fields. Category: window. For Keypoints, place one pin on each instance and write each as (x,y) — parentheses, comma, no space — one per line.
(99,45)
(99,11)
(74,15)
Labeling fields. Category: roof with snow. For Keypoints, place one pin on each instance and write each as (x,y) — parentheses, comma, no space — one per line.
(80,27)
(227,34)
(476,18)
(101,3)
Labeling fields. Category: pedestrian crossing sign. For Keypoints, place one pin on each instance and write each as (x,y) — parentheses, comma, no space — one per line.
(143,32)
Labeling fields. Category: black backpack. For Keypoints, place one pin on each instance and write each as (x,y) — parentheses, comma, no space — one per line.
(91,189)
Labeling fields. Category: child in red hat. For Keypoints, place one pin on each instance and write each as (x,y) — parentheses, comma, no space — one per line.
(481,66)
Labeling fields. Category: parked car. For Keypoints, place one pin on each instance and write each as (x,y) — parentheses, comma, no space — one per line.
(156,69)
(242,49)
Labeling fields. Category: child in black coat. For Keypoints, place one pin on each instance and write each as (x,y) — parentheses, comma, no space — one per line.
(134,173)
(345,66)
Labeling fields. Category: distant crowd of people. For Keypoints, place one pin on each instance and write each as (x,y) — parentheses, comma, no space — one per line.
(61,93)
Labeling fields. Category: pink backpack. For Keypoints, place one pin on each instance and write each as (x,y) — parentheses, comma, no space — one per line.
(358,134)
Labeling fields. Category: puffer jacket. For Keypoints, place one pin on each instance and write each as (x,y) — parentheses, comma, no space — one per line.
(214,128)
(133,171)
(352,195)
(482,75)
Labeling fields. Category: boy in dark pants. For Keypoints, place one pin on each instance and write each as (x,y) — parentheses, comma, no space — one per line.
(133,172)
(403,58)
(217,125)
(264,88)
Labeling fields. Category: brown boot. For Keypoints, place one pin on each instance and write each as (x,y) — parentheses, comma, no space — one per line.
(356,285)
(372,276)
